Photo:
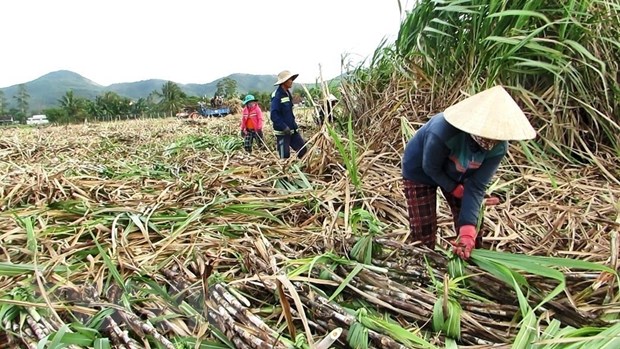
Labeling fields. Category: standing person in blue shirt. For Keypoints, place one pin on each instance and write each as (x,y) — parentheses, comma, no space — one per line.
(283,119)
(459,151)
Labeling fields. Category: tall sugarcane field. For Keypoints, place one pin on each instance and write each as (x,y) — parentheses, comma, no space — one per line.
(166,233)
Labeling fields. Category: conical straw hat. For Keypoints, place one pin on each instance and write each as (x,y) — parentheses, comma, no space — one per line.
(491,114)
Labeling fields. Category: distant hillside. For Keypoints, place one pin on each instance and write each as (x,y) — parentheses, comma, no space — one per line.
(245,83)
(48,89)
(138,89)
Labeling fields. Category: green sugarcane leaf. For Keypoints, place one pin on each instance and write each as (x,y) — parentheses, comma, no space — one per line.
(358,336)
(453,321)
(346,281)
(545,261)
(438,315)
(102,343)
(12,269)
(109,264)
(552,330)
(520,13)
(526,333)
(507,275)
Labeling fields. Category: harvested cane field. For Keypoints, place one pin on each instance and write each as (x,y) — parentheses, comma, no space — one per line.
(166,234)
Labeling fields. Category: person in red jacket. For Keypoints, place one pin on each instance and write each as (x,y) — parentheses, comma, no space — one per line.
(251,123)
(459,151)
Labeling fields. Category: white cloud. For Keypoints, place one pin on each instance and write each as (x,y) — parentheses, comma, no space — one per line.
(188,41)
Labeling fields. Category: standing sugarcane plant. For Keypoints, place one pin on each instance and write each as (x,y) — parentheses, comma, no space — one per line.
(348,153)
(561,58)
(362,222)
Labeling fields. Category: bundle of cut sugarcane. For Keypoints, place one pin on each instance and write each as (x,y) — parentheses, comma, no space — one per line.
(238,323)
(330,316)
(35,329)
(38,327)
(124,328)
(416,263)
(418,305)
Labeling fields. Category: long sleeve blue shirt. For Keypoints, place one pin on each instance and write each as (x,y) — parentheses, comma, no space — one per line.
(281,110)
(441,155)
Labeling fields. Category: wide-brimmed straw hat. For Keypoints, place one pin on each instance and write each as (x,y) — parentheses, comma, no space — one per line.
(285,75)
(491,114)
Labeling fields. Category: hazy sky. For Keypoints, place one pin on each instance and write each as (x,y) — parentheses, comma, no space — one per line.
(189,41)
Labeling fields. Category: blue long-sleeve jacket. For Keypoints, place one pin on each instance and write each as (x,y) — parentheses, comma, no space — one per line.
(281,110)
(439,154)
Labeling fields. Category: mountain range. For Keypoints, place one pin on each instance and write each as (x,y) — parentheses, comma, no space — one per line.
(48,89)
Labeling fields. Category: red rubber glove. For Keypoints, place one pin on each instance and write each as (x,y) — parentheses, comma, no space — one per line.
(466,241)
(458,191)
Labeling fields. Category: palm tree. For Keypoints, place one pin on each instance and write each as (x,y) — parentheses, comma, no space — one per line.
(113,105)
(73,106)
(139,107)
(172,98)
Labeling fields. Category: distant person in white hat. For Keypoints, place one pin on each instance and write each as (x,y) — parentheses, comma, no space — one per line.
(459,151)
(326,109)
(283,119)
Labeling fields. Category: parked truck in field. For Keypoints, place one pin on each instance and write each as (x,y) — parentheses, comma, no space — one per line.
(37,120)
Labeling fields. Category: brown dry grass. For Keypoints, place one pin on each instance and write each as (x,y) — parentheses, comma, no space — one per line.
(177,218)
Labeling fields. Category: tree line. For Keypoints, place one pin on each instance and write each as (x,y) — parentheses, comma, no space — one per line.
(164,102)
